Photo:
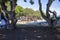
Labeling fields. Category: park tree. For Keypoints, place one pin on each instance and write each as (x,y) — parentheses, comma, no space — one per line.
(28,12)
(13,5)
(47,16)
(37,14)
(48,11)
(11,12)
(18,11)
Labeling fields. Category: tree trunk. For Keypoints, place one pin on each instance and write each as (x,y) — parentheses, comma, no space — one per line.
(47,17)
(13,19)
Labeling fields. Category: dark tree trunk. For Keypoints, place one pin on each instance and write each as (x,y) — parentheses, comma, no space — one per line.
(13,19)
(47,17)
(11,13)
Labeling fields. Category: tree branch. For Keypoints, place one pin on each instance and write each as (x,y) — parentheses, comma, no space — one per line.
(40,8)
(48,6)
(54,13)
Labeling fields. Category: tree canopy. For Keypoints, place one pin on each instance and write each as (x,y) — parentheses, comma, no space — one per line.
(9,6)
(20,11)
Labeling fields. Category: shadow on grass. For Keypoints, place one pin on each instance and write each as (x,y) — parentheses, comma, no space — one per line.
(30,32)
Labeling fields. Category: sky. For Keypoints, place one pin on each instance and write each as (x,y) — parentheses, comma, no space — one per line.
(54,7)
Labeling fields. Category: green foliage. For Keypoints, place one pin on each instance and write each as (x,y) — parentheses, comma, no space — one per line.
(21,11)
(37,14)
(18,10)
(8,6)
(28,12)
(32,13)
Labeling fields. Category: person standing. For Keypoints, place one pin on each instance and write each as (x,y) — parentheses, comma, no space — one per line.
(3,22)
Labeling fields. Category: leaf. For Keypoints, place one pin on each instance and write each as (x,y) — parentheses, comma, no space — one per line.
(31,2)
(25,1)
